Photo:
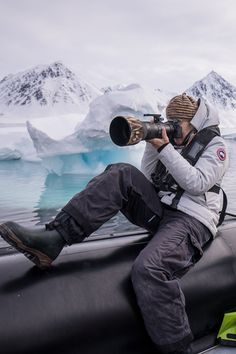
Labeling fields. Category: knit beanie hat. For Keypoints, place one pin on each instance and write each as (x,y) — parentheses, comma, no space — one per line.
(181,107)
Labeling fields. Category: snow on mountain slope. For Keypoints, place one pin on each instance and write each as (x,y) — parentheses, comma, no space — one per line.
(221,94)
(216,90)
(44,90)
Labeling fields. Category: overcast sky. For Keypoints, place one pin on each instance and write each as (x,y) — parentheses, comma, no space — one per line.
(167,44)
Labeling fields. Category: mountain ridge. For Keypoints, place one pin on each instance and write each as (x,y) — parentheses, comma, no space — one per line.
(46,88)
(216,90)
(54,89)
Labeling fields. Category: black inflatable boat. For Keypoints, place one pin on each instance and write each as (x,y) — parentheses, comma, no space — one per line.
(85,303)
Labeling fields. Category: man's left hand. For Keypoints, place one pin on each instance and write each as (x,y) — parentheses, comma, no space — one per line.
(158,142)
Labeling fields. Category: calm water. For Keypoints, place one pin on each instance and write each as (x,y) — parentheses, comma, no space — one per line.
(31,196)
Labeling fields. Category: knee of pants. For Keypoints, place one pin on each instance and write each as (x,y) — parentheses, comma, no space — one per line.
(146,269)
(120,166)
(124,171)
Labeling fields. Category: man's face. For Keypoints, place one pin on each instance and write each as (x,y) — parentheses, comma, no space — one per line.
(186,128)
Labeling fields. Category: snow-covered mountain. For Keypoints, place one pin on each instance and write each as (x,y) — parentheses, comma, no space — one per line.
(45,90)
(215,89)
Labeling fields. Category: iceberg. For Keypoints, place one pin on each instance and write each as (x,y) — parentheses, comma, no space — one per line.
(92,132)
(91,162)
(15,143)
(9,154)
(90,148)
(15,135)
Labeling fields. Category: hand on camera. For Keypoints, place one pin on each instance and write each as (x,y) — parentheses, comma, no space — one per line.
(158,142)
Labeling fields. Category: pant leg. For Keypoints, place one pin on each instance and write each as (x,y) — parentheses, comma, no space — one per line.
(121,187)
(175,247)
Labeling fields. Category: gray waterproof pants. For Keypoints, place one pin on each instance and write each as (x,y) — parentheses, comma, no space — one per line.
(175,246)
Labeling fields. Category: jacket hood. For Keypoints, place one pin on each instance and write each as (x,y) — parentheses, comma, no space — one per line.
(205,116)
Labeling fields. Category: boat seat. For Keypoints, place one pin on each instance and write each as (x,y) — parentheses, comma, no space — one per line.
(85,304)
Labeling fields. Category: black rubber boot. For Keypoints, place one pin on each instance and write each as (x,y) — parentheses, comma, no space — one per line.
(39,245)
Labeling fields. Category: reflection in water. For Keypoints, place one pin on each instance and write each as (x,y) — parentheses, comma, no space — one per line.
(57,191)
(21,185)
(31,196)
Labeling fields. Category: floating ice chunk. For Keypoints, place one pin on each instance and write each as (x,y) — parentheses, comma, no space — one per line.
(46,146)
(9,154)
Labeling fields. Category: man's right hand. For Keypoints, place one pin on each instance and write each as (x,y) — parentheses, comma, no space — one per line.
(158,142)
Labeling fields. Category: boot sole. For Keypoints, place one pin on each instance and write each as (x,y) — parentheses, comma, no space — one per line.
(40,259)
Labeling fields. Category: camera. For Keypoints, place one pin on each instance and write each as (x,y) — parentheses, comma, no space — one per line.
(126,131)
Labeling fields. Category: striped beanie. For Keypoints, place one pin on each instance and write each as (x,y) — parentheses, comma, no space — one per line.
(181,107)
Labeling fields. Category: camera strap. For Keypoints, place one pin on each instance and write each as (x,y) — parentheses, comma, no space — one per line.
(164,181)
(192,153)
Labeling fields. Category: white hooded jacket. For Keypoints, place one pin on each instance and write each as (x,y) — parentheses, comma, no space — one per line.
(197,180)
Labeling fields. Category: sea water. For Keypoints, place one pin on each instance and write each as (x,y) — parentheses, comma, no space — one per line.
(31,196)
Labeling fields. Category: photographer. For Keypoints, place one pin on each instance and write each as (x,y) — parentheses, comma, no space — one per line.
(177,202)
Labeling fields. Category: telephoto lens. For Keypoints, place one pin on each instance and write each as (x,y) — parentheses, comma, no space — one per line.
(126,131)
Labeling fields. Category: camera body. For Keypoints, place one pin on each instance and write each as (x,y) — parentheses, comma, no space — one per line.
(126,131)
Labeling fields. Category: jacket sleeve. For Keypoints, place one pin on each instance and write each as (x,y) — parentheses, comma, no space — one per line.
(208,170)
(149,160)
